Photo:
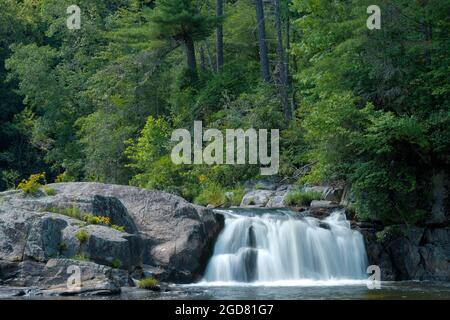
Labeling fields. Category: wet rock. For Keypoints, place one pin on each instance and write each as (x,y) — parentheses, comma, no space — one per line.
(410,253)
(323,204)
(378,255)
(257,198)
(321,208)
(440,213)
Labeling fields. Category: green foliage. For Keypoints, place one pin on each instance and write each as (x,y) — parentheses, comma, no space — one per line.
(116,264)
(49,191)
(148,283)
(236,196)
(81,257)
(181,19)
(212,194)
(63,177)
(82,236)
(301,198)
(152,144)
(99,104)
(118,228)
(9,178)
(33,183)
(370,120)
(388,232)
(91,219)
(73,212)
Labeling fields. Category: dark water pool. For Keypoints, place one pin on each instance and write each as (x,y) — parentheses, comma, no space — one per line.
(388,290)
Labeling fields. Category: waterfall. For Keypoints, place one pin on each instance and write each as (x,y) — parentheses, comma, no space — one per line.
(282,245)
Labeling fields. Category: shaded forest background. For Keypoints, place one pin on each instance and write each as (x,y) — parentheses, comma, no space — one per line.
(364,108)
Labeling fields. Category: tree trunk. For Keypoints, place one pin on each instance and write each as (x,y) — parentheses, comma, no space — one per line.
(281,62)
(202,58)
(190,54)
(219,35)
(210,62)
(263,52)
(288,44)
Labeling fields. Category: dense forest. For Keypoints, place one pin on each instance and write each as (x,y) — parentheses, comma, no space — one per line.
(368,108)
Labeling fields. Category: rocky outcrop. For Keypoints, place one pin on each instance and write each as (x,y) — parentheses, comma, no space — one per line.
(412,253)
(440,211)
(270,195)
(257,198)
(160,231)
(62,277)
(333,194)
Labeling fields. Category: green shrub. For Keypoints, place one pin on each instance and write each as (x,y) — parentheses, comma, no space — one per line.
(82,236)
(118,228)
(9,178)
(302,198)
(76,213)
(236,196)
(148,283)
(49,191)
(81,257)
(33,184)
(388,232)
(91,219)
(64,177)
(116,264)
(72,212)
(212,194)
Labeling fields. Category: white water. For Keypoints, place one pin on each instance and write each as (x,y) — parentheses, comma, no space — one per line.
(283,249)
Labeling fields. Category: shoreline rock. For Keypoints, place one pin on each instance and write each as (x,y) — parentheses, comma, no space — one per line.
(161,230)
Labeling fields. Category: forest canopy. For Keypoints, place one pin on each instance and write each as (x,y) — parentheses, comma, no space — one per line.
(369,109)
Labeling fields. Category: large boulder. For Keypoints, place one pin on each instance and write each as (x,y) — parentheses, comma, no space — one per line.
(54,277)
(40,236)
(257,198)
(160,229)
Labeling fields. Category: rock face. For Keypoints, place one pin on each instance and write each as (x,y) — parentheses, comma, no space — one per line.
(161,231)
(273,196)
(440,211)
(329,193)
(257,198)
(269,198)
(59,277)
(410,253)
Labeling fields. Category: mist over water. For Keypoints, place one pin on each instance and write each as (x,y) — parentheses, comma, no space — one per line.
(284,248)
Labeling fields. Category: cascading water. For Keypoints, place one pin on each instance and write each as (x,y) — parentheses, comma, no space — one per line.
(282,245)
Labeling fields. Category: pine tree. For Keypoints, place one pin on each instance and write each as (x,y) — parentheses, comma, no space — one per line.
(182,20)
